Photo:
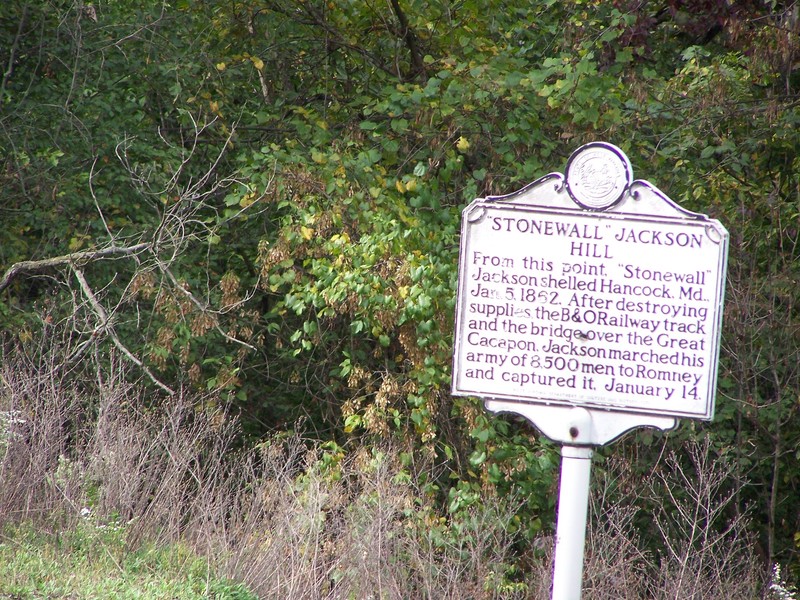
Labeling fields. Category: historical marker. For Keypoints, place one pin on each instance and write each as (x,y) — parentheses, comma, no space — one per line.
(590,290)
(591,304)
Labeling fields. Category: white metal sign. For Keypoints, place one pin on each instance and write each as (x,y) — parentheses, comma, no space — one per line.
(590,290)
(590,304)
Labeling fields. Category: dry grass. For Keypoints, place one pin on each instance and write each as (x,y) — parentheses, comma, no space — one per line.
(289,517)
(698,549)
(294,519)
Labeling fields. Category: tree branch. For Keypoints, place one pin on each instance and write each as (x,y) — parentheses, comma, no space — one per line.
(410,38)
(74,258)
(204,309)
(12,55)
(107,327)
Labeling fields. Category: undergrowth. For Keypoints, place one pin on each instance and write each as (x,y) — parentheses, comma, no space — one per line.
(105,495)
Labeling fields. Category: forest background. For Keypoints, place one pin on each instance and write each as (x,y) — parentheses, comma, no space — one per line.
(237,221)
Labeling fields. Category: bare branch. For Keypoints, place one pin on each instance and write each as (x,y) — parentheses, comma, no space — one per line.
(74,258)
(185,200)
(12,55)
(107,327)
(96,203)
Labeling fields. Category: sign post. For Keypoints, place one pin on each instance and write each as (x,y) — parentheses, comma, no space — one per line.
(573,503)
(591,304)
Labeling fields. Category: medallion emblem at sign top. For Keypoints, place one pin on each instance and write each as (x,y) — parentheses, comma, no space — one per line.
(598,175)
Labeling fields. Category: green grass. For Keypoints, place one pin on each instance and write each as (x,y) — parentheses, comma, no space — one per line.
(92,562)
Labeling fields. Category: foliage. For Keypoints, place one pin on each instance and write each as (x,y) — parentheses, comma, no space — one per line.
(295,173)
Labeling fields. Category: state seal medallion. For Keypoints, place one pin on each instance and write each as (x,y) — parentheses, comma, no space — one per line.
(598,175)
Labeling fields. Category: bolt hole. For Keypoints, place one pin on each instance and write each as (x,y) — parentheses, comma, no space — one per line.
(573,432)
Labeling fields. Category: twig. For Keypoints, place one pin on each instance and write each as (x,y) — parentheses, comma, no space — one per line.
(176,285)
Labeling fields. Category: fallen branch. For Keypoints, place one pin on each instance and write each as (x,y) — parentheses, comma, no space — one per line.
(74,258)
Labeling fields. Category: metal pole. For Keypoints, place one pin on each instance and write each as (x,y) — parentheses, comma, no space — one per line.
(573,502)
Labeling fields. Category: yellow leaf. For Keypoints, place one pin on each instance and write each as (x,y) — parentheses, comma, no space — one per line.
(221,66)
(257,63)
(306,232)
(401,187)
(462,144)
(403,291)
(411,184)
